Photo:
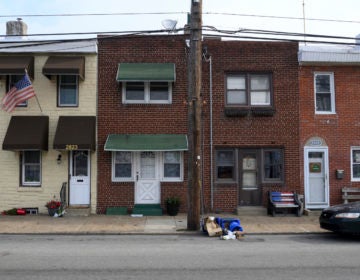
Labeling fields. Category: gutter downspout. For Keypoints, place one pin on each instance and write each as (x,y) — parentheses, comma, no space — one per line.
(211,136)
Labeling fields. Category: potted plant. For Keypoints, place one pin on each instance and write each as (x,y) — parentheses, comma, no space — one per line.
(54,207)
(172,205)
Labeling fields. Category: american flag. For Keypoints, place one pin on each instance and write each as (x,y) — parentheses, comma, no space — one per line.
(20,92)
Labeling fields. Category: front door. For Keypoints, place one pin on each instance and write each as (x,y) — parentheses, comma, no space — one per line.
(316,178)
(147,186)
(79,190)
(249,189)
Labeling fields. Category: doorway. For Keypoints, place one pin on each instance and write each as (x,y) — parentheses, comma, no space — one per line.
(79,187)
(147,185)
(316,170)
(249,188)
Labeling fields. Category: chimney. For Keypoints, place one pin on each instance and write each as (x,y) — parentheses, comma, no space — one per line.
(14,28)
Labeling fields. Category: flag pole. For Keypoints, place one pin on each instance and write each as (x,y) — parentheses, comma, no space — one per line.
(37,100)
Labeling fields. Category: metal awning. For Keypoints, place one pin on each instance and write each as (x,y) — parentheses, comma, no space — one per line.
(146,142)
(135,72)
(75,133)
(16,65)
(65,65)
(27,133)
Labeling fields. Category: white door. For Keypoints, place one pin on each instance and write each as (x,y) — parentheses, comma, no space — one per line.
(147,185)
(316,178)
(79,190)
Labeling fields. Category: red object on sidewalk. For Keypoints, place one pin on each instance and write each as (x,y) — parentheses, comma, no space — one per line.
(21,212)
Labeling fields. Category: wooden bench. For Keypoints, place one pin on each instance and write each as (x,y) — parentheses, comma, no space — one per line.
(350,194)
(283,202)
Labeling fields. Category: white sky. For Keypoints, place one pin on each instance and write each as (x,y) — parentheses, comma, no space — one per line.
(335,10)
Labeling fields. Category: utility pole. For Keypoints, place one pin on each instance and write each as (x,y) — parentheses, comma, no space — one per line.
(195,104)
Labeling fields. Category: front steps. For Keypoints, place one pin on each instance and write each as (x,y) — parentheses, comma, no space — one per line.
(77,211)
(251,211)
(147,210)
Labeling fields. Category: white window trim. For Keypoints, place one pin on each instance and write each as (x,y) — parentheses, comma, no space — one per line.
(146,99)
(172,179)
(123,179)
(159,171)
(30,184)
(59,92)
(355,148)
(332,93)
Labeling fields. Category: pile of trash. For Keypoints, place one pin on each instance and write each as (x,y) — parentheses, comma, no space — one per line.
(225,228)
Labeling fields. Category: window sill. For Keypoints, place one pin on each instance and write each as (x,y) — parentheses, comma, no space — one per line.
(243,112)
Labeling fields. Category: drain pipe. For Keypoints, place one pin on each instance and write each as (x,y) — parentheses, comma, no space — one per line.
(208,59)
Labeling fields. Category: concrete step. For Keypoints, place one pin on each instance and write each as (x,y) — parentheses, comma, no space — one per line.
(312,212)
(147,210)
(251,211)
(77,211)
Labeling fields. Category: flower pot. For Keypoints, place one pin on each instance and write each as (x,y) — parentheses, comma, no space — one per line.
(53,211)
(172,209)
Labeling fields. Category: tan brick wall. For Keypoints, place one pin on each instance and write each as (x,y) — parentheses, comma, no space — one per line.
(53,174)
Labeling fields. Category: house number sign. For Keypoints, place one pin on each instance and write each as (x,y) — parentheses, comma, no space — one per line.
(71,147)
(316,142)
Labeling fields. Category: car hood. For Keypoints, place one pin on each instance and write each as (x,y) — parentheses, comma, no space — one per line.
(349,207)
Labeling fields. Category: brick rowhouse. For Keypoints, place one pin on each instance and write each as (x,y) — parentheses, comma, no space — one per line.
(256,130)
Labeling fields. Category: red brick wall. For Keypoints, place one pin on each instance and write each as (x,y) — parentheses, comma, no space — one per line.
(341,130)
(279,130)
(115,117)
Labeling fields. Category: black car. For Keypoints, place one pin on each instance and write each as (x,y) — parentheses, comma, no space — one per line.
(343,218)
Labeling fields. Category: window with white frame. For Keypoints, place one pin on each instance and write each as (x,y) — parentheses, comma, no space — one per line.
(68,91)
(147,92)
(12,80)
(31,168)
(249,90)
(324,93)
(355,164)
(122,166)
(172,168)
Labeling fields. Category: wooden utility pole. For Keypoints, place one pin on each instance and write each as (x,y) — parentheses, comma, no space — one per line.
(195,104)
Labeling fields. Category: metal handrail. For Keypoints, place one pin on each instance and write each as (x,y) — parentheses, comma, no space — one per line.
(63,194)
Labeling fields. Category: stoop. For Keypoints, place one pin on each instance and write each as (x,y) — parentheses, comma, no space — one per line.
(77,211)
(251,211)
(312,212)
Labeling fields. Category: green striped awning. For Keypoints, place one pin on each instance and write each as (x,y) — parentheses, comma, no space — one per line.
(146,142)
(136,72)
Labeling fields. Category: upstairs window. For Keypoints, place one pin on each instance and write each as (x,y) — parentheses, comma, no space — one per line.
(324,93)
(147,92)
(68,91)
(249,90)
(12,80)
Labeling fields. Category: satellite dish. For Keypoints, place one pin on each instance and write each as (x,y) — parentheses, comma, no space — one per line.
(169,24)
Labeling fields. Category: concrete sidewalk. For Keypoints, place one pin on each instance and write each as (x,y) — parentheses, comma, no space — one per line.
(104,224)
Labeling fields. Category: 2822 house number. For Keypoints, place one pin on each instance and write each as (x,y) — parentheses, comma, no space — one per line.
(71,147)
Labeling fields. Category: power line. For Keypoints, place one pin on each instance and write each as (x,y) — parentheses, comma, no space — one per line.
(178,13)
(93,14)
(208,31)
(282,17)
